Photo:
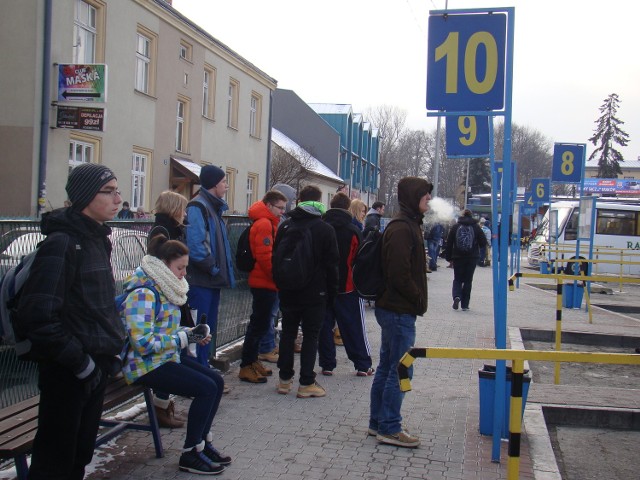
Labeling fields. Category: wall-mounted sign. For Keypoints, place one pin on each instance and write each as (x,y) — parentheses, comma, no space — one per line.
(80,118)
(82,83)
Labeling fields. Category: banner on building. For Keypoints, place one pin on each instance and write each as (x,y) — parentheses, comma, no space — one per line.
(80,118)
(82,83)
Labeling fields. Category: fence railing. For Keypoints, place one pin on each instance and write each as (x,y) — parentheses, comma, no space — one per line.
(18,379)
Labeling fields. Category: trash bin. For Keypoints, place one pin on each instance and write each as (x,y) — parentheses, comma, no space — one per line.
(544,267)
(487,378)
(567,295)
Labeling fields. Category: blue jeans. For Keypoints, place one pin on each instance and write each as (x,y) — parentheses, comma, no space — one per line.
(190,379)
(398,335)
(207,301)
(268,340)
(433,246)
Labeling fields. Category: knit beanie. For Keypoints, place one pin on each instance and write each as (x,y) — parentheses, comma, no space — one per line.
(85,181)
(210,176)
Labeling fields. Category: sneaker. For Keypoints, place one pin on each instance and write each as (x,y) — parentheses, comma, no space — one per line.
(327,373)
(465,309)
(400,439)
(371,432)
(198,463)
(251,375)
(337,338)
(261,369)
(226,388)
(309,391)
(284,386)
(456,302)
(271,357)
(215,456)
(167,417)
(365,373)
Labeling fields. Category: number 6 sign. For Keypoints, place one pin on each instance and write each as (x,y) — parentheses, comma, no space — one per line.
(540,190)
(466,62)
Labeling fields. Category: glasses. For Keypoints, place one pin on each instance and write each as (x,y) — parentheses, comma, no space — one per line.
(278,207)
(113,193)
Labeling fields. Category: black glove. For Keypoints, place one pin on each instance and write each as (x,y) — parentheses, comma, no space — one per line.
(198,333)
(92,381)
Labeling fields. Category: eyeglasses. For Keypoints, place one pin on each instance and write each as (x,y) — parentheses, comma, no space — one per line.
(113,193)
(278,207)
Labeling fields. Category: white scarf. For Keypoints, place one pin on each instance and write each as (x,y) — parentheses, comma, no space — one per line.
(174,289)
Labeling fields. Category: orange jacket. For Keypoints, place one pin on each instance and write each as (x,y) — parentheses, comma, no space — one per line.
(261,238)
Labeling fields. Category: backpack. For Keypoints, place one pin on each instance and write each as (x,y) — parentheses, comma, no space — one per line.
(10,292)
(293,260)
(368,278)
(245,261)
(465,238)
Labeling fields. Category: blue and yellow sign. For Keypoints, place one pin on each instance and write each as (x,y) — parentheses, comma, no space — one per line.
(567,163)
(466,62)
(467,136)
(540,190)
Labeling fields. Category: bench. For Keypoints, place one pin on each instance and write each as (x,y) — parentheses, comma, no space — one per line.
(19,422)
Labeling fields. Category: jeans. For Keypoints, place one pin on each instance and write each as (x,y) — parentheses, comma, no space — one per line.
(348,311)
(207,301)
(268,340)
(433,247)
(398,334)
(463,270)
(67,424)
(190,379)
(311,318)
(259,321)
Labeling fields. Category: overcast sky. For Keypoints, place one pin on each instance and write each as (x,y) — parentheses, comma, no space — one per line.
(569,55)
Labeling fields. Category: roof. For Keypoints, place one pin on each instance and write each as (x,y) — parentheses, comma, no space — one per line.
(191,167)
(626,164)
(331,108)
(316,166)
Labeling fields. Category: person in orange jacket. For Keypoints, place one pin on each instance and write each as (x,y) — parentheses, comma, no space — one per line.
(265,215)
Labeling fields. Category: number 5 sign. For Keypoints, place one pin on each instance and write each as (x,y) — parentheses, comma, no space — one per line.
(567,163)
(466,62)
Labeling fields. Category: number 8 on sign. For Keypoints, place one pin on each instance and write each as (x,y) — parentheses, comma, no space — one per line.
(567,163)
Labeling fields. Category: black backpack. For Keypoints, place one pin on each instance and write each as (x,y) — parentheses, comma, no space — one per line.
(465,237)
(368,278)
(293,260)
(245,260)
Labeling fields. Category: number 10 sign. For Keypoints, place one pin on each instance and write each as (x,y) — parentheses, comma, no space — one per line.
(466,62)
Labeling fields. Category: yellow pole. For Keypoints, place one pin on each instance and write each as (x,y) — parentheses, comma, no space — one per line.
(515,420)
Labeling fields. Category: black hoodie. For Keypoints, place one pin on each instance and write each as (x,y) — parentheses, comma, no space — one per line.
(67,304)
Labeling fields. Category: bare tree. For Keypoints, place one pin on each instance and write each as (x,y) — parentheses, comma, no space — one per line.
(290,166)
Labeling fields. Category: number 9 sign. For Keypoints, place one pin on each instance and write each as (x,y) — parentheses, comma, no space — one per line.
(567,163)
(466,62)
(467,136)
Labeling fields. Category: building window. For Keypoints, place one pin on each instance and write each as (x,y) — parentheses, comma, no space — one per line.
(231,193)
(143,62)
(83,149)
(255,113)
(182,125)
(185,50)
(208,91)
(185,79)
(88,31)
(252,189)
(140,162)
(232,104)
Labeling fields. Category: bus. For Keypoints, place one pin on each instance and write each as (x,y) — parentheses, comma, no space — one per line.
(616,236)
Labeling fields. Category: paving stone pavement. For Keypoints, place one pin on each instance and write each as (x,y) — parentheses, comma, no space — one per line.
(273,436)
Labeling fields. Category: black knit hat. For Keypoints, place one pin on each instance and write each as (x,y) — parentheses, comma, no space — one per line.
(210,176)
(84,183)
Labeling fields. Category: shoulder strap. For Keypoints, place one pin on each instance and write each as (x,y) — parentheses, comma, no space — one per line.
(203,211)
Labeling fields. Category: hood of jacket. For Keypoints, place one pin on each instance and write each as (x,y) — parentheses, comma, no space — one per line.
(72,222)
(138,279)
(304,213)
(260,210)
(338,217)
(410,191)
(463,220)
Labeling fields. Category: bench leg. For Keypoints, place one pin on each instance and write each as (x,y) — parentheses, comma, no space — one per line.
(22,469)
(153,423)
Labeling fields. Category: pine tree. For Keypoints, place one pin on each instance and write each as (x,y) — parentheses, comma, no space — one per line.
(607,133)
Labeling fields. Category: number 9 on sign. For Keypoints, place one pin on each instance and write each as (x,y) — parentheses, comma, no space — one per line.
(467,136)
(567,163)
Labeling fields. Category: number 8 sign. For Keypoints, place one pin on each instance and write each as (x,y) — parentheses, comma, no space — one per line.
(466,62)
(567,163)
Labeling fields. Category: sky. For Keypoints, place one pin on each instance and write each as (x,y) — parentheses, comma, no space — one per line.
(569,55)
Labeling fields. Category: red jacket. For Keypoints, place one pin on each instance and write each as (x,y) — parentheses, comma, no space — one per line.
(261,239)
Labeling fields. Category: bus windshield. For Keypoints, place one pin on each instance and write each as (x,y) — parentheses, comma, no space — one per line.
(542,234)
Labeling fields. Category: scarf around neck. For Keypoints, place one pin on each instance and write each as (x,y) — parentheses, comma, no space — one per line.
(174,289)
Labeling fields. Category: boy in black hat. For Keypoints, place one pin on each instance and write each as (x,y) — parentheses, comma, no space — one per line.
(210,267)
(68,314)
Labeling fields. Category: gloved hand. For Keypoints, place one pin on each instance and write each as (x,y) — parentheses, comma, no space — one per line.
(92,381)
(199,333)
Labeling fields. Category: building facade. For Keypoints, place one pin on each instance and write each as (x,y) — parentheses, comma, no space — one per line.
(169,99)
